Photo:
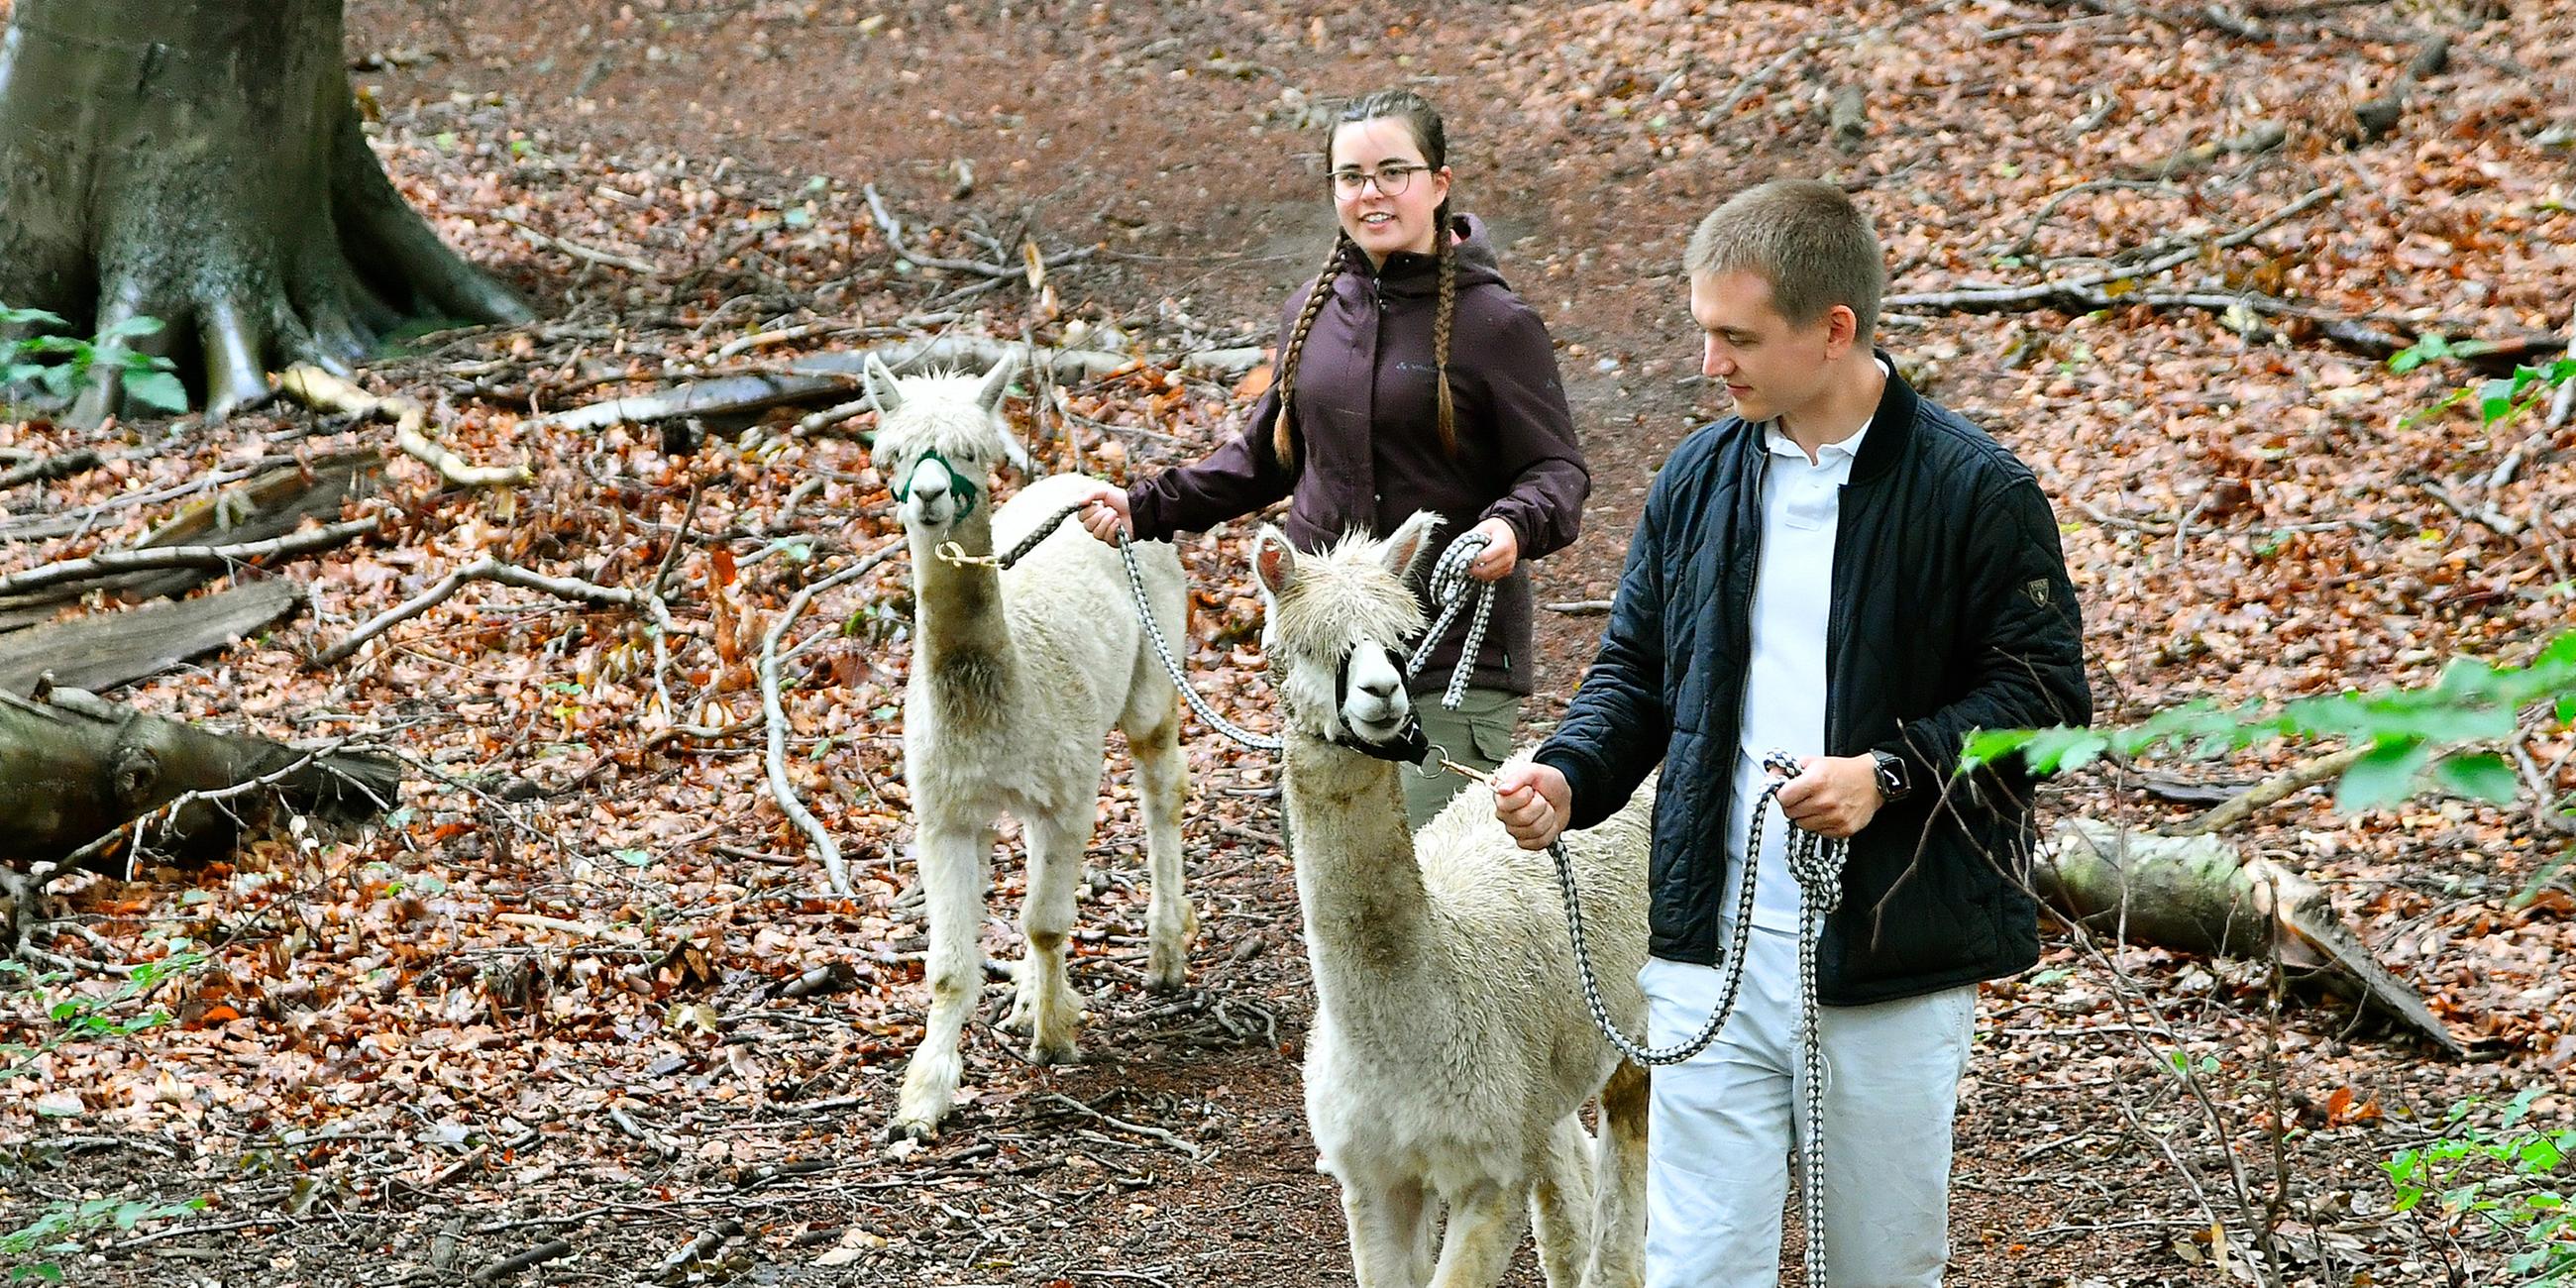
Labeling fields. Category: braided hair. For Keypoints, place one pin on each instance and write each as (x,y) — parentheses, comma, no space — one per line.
(1423,121)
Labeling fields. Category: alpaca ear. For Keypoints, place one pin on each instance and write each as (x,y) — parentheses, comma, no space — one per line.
(884,392)
(1017,453)
(1404,547)
(997,382)
(1274,564)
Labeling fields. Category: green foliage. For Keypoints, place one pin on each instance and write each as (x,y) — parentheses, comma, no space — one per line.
(2498,400)
(26,1253)
(58,1229)
(78,1018)
(2412,733)
(59,365)
(2500,1184)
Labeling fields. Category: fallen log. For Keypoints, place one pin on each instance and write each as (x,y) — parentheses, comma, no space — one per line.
(50,467)
(74,769)
(2197,894)
(270,504)
(834,375)
(101,566)
(104,650)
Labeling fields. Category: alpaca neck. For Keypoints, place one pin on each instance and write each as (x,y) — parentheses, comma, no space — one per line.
(962,641)
(1357,881)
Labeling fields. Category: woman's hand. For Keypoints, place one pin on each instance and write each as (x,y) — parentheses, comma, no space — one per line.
(1502,551)
(1104,512)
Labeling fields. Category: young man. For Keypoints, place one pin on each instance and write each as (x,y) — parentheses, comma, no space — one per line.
(1849,572)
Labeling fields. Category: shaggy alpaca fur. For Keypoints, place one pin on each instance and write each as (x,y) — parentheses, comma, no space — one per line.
(1017,678)
(1451,1046)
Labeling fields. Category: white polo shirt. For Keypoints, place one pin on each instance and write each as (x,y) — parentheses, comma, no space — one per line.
(1784,684)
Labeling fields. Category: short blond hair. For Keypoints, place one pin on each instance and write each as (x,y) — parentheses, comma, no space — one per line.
(1804,237)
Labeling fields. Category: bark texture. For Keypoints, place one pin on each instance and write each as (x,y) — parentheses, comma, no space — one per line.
(73,768)
(202,162)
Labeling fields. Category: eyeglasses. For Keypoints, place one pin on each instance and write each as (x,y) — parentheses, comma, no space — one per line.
(1391,180)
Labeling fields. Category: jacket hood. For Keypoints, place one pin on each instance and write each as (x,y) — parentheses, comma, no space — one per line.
(1408,273)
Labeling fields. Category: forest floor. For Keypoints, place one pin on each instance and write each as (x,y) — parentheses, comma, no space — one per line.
(370,1078)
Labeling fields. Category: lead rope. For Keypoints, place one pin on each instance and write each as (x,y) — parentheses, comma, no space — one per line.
(1450,584)
(1817,864)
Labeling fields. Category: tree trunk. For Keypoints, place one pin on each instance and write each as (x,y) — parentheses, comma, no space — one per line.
(202,162)
(2197,894)
(73,768)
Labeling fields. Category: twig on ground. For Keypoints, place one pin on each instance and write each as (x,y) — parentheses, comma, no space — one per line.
(315,387)
(2279,786)
(584,253)
(774,711)
(488,568)
(516,1262)
(1139,1129)
(110,562)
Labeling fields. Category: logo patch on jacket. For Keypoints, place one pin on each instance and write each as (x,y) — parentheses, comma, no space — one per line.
(2037,589)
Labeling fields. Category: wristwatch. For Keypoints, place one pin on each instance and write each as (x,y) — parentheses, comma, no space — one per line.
(1894,783)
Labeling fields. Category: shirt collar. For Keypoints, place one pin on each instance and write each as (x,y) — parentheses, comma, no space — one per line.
(1781,445)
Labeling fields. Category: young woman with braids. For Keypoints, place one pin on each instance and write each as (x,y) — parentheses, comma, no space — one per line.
(1410,378)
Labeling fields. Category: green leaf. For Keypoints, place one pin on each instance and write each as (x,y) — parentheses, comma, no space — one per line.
(2417,354)
(129,329)
(159,390)
(2482,776)
(2495,398)
(30,317)
(2384,776)
(1984,746)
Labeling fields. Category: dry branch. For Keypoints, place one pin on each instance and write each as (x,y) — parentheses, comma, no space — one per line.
(488,568)
(833,375)
(1004,271)
(317,388)
(775,714)
(111,562)
(2237,809)
(50,467)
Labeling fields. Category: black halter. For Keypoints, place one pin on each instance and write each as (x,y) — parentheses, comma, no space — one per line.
(1409,745)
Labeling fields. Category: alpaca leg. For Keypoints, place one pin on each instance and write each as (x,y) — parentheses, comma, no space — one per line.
(1386,1223)
(1561,1204)
(1046,1000)
(1162,784)
(1619,1211)
(1484,1231)
(951,877)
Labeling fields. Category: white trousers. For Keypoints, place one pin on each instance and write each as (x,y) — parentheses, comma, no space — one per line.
(1723,1124)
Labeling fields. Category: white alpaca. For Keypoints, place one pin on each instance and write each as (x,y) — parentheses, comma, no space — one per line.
(1451,1047)
(1017,678)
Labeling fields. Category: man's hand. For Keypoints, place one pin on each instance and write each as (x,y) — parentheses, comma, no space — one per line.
(1832,795)
(1533,802)
(1104,512)
(1501,554)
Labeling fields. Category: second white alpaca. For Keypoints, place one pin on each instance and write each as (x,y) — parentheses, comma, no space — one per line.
(1452,1048)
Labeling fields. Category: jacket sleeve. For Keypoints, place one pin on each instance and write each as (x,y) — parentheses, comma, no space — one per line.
(1615,731)
(2030,659)
(1534,435)
(1234,480)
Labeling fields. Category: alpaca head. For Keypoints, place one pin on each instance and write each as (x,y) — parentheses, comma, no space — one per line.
(1336,631)
(938,439)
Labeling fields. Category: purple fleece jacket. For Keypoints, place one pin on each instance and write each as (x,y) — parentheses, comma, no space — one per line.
(1368,441)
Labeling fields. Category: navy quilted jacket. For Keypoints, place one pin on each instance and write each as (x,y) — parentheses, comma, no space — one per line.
(1951,611)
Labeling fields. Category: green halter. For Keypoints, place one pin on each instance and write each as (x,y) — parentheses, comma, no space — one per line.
(965,487)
